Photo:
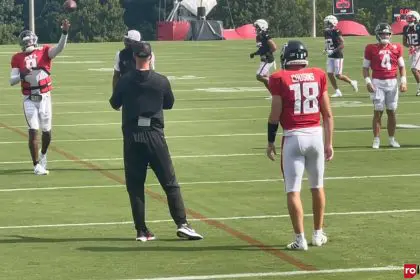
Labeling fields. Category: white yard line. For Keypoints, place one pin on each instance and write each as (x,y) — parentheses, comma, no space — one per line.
(278,274)
(206,121)
(359,213)
(202,156)
(216,182)
(216,108)
(185,136)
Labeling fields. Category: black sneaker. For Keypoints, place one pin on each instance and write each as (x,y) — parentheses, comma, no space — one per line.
(145,235)
(185,231)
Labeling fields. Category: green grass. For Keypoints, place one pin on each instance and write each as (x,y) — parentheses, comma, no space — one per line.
(225,176)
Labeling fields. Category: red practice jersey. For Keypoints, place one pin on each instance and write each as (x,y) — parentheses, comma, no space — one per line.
(37,59)
(384,60)
(301,92)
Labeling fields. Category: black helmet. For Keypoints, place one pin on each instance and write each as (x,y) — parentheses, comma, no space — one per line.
(294,53)
(28,40)
(383,29)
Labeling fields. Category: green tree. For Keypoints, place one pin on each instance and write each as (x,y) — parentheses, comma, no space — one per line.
(10,21)
(94,21)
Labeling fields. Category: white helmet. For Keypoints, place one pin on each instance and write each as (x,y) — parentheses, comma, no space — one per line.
(330,22)
(261,25)
(413,18)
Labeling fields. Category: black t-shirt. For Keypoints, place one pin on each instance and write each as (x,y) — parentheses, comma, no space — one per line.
(263,47)
(142,94)
(332,41)
(412,35)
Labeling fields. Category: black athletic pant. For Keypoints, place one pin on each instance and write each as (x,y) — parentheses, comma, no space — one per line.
(142,148)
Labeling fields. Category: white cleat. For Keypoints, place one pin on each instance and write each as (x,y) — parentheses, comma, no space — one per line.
(393,143)
(319,239)
(354,85)
(300,245)
(418,92)
(42,160)
(337,94)
(376,143)
(39,170)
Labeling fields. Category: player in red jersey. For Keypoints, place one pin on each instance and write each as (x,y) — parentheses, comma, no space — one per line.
(411,39)
(31,68)
(384,58)
(299,99)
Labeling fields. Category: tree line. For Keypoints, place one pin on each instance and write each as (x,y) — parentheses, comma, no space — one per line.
(107,20)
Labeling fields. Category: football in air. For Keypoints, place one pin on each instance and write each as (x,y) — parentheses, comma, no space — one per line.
(70,5)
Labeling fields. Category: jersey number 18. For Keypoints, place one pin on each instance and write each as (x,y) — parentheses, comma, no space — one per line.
(306,98)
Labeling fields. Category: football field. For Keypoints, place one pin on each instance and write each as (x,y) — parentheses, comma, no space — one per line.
(76,222)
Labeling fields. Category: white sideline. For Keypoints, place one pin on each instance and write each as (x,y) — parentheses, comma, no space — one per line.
(280,274)
(214,182)
(216,219)
(212,156)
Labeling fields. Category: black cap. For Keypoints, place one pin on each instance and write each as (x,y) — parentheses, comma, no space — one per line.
(141,49)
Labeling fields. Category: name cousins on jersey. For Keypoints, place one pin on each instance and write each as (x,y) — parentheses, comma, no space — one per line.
(304,77)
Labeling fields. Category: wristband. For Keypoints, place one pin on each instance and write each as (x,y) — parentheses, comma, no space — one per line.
(271,132)
(403,80)
(368,80)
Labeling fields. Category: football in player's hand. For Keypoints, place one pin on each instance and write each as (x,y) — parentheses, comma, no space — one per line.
(70,5)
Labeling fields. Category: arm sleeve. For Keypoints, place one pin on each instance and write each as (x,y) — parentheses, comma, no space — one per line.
(116,99)
(117,62)
(401,62)
(367,57)
(168,96)
(54,51)
(14,76)
(368,54)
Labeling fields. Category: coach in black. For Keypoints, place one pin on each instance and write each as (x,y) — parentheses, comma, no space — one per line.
(143,95)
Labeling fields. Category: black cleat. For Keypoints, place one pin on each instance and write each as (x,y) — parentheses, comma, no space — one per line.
(145,235)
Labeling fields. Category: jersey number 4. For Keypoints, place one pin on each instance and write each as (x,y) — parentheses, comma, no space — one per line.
(386,61)
(306,98)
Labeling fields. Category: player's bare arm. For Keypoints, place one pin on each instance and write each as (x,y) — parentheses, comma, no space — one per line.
(405,41)
(56,50)
(368,80)
(272,45)
(328,123)
(403,74)
(366,75)
(341,43)
(273,124)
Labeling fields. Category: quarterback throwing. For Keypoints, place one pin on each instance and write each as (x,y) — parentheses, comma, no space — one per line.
(31,68)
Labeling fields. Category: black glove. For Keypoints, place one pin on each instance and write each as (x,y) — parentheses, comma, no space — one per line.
(252,55)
